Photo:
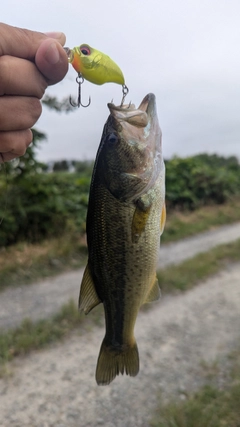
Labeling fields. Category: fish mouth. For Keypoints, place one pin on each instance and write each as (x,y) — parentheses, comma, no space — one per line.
(136,116)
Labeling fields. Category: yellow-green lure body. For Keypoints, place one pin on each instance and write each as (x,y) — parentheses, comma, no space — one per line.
(95,66)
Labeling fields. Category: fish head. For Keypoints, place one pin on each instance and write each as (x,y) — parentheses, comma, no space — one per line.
(131,149)
(95,66)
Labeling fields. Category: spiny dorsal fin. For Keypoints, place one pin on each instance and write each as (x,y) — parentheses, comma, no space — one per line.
(88,298)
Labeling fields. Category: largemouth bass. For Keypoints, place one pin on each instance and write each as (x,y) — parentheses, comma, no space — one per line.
(126,216)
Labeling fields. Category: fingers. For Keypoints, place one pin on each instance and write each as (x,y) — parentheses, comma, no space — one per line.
(20,77)
(18,113)
(14,144)
(60,37)
(52,61)
(23,43)
(29,62)
(45,49)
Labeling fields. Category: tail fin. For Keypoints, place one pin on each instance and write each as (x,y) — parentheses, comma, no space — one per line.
(113,361)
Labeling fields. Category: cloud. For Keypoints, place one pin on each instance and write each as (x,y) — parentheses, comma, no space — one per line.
(184,52)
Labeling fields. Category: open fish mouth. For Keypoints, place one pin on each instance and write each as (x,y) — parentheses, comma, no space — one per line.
(136,116)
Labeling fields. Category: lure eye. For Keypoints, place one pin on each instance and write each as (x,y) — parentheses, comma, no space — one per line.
(112,138)
(85,50)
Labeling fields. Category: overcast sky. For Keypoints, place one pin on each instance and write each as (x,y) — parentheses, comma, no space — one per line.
(187,52)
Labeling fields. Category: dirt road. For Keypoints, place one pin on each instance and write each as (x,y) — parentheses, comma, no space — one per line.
(56,387)
(44,298)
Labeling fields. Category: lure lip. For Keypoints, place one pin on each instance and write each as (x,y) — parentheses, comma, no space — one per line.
(69,53)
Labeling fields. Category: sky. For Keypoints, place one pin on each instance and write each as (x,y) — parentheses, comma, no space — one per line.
(184,51)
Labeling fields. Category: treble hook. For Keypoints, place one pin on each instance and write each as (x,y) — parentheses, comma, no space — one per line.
(78,104)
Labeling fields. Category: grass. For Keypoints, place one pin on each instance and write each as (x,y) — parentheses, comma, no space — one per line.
(194,270)
(29,336)
(209,407)
(32,336)
(184,224)
(25,263)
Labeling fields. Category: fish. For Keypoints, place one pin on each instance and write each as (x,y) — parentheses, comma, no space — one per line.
(95,66)
(125,219)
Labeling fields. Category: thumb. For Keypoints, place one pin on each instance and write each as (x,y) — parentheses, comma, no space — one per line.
(44,49)
(51,60)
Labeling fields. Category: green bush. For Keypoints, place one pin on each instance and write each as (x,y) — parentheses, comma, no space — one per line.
(41,206)
(201,180)
(35,205)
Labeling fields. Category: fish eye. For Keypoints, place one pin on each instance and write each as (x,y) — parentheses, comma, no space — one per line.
(85,50)
(112,138)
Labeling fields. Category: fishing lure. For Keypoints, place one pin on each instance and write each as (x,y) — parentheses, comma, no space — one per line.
(96,67)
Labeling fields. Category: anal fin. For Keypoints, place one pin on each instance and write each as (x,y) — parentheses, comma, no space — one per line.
(88,298)
(163,219)
(154,293)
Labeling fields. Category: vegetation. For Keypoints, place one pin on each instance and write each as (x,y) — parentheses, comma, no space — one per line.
(25,262)
(36,205)
(43,206)
(43,209)
(186,223)
(201,180)
(34,336)
(209,407)
(29,336)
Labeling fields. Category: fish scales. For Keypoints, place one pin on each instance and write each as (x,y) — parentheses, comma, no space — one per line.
(125,219)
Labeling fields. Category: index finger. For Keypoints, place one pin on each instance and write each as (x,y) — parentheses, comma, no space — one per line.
(23,43)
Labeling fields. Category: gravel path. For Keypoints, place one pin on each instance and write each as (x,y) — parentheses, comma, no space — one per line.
(44,298)
(56,387)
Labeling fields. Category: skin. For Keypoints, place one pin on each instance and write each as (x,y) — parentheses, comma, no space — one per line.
(29,62)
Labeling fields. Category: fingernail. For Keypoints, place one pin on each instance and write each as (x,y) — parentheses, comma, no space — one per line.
(52,54)
(54,34)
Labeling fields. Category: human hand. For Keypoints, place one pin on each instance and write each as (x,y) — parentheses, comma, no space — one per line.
(29,62)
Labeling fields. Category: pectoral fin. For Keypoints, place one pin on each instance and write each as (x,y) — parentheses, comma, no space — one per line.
(140,218)
(155,292)
(141,214)
(88,298)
